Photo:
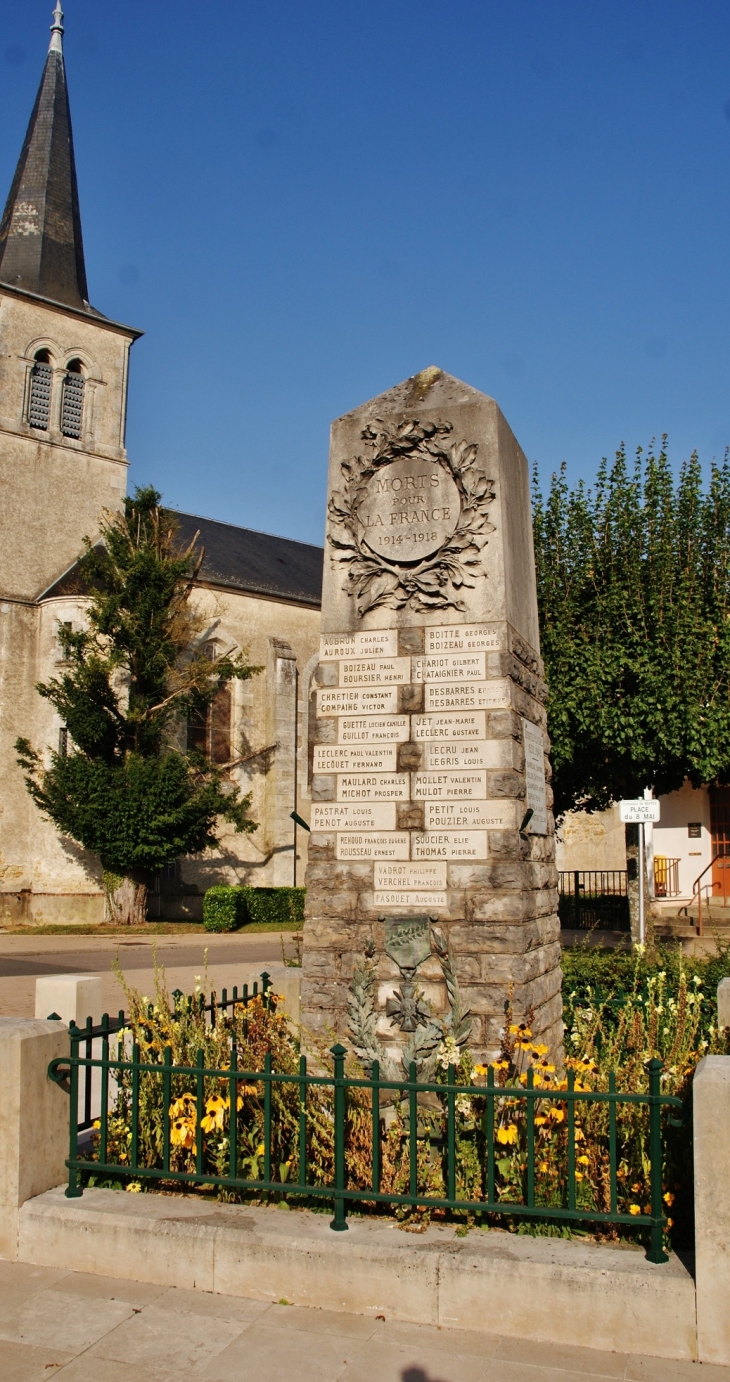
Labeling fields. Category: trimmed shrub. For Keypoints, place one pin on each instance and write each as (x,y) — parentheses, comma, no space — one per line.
(223,909)
(226,909)
(274,906)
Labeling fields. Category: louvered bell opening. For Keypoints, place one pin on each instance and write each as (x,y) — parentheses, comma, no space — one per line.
(41,381)
(72,407)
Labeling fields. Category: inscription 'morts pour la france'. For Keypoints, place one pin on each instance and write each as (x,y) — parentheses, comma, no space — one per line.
(409,509)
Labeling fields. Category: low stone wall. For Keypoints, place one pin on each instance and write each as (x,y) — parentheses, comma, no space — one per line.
(492,1281)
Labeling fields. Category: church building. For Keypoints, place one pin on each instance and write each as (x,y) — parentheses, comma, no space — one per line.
(63,395)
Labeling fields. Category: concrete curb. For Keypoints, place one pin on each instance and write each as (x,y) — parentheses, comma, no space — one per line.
(536,1288)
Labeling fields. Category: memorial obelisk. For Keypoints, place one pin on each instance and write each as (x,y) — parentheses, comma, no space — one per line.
(432,848)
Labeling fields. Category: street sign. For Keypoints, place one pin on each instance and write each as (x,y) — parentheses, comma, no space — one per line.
(639,812)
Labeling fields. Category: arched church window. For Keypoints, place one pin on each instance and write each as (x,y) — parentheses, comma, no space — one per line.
(209,730)
(72,403)
(41,383)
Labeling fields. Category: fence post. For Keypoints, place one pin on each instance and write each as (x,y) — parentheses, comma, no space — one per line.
(339,1223)
(711,1136)
(656,1252)
(35,1119)
(576,893)
(723,1004)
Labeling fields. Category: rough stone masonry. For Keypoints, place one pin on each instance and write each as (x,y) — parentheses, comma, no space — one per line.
(431,825)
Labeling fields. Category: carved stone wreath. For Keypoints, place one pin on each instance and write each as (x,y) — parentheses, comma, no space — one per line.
(434,583)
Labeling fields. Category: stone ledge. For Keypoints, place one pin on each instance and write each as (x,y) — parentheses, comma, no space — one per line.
(519,1286)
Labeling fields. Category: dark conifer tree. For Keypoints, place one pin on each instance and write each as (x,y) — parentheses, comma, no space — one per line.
(127,789)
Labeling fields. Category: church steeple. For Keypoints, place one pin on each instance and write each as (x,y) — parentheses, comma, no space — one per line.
(41,248)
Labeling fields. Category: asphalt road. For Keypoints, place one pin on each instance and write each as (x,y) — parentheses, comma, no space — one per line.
(231,960)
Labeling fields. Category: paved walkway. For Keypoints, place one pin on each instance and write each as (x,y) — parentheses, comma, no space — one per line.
(96,1329)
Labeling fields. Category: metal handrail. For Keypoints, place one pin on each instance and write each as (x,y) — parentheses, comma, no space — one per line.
(697,890)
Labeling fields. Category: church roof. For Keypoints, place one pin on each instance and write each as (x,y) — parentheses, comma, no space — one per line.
(237,559)
(41,248)
(242,559)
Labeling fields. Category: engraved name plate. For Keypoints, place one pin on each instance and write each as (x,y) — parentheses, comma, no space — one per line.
(535,777)
(330,815)
(369,787)
(492,815)
(464,638)
(366,701)
(425,875)
(372,845)
(371,729)
(491,753)
(410,898)
(378,643)
(480,695)
(450,844)
(450,786)
(331,758)
(450,727)
(449,667)
(375,671)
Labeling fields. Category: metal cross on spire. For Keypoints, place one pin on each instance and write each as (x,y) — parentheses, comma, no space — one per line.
(56,43)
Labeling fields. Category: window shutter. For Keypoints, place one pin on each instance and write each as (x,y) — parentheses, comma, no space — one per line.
(72,407)
(39,411)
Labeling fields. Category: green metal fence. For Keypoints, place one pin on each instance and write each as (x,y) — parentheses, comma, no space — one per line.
(127,1069)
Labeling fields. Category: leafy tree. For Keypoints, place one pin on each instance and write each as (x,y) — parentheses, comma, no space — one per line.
(634,597)
(126,790)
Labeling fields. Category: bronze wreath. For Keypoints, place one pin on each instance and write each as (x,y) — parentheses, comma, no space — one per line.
(434,583)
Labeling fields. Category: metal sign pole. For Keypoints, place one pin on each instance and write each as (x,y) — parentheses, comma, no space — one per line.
(641,883)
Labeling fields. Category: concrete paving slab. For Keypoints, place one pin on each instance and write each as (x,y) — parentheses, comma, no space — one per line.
(213,1307)
(23,1363)
(436,1339)
(91,1288)
(668,1370)
(287,1317)
(173,1339)
(54,1319)
(94,1369)
(589,1362)
(280,1355)
(394,1363)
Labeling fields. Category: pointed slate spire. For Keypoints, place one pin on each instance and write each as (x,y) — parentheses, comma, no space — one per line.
(41,248)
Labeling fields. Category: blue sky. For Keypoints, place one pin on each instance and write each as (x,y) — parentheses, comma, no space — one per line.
(303,203)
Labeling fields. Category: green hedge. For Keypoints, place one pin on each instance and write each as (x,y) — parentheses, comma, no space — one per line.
(226,909)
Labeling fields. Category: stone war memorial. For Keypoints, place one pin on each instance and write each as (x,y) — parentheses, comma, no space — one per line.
(431,883)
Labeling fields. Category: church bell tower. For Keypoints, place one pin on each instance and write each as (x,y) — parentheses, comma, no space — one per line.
(63,366)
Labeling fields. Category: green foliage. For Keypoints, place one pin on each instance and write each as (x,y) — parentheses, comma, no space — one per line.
(225,909)
(274,906)
(132,676)
(634,599)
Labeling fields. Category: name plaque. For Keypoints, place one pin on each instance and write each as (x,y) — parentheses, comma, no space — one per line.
(366,787)
(464,638)
(453,786)
(489,754)
(449,667)
(386,729)
(368,701)
(371,845)
(331,815)
(426,875)
(410,898)
(450,727)
(536,794)
(377,671)
(481,695)
(331,758)
(379,643)
(455,845)
(492,815)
